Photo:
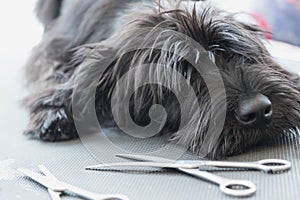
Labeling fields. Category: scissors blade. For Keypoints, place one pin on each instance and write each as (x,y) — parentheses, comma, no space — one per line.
(54,195)
(143,164)
(43,180)
(47,172)
(145,158)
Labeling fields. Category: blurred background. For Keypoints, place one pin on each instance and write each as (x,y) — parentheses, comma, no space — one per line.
(281,17)
(19,33)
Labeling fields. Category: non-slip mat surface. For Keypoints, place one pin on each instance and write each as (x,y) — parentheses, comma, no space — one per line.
(67,160)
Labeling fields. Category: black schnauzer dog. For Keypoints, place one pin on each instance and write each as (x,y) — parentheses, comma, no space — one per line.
(241,96)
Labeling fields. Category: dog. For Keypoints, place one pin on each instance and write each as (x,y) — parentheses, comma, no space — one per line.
(89,45)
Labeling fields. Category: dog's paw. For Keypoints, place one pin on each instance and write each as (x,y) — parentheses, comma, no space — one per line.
(51,125)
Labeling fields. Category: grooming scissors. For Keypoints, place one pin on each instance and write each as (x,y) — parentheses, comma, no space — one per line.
(238,188)
(56,187)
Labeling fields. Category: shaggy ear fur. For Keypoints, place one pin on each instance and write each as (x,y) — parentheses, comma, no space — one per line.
(48,10)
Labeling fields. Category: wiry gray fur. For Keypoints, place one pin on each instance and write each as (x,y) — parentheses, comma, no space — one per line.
(77,43)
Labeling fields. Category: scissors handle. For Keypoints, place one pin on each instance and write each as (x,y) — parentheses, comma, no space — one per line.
(274,165)
(237,188)
(267,165)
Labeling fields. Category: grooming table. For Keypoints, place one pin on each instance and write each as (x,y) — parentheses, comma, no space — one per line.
(67,159)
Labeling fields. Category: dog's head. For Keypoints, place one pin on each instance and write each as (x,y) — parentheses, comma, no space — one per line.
(253,97)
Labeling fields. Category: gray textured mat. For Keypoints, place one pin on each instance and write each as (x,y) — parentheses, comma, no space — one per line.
(67,160)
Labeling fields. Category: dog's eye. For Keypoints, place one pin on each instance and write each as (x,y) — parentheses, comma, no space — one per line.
(251,61)
(230,57)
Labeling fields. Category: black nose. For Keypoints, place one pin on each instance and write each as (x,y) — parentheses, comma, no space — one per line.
(254,110)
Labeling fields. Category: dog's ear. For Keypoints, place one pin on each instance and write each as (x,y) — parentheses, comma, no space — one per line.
(48,10)
(293,77)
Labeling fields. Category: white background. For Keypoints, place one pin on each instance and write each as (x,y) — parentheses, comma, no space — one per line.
(19,29)
(19,32)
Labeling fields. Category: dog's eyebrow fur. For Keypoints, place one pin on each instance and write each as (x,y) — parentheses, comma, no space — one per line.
(217,31)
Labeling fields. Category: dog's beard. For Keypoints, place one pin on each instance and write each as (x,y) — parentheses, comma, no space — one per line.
(235,137)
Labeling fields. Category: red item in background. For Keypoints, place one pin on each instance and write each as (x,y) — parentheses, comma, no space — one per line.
(263,23)
(282,18)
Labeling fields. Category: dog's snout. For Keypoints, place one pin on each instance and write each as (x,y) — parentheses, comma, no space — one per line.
(254,110)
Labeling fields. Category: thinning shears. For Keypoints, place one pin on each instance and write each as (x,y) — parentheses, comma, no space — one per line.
(56,188)
(238,188)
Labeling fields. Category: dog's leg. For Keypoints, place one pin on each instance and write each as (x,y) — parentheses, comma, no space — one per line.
(50,107)
(48,104)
